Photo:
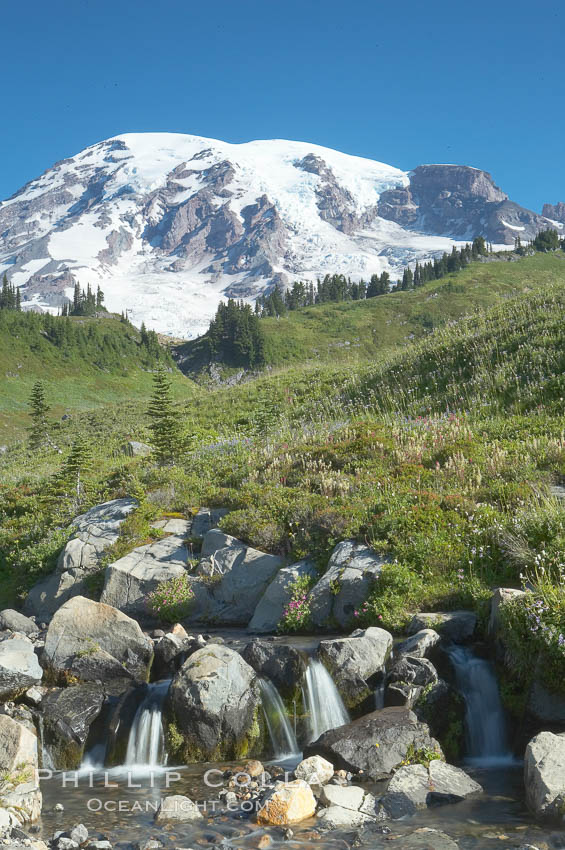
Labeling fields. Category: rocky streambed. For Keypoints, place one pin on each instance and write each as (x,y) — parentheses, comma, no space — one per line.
(364,740)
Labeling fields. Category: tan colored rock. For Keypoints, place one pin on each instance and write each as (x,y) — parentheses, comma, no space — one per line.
(290,802)
(254,768)
(18,748)
(315,770)
(177,808)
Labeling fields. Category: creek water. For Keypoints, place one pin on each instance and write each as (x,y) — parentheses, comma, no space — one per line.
(283,740)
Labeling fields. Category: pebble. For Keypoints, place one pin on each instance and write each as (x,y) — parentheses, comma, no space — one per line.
(79,833)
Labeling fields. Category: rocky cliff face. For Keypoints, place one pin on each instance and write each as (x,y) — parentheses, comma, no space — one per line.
(169,224)
(555,212)
(460,201)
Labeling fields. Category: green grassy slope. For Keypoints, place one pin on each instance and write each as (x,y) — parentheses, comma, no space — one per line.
(82,377)
(351,332)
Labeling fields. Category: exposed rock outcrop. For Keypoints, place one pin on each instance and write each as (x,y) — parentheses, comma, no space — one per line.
(271,606)
(345,584)
(97,529)
(231,579)
(461,202)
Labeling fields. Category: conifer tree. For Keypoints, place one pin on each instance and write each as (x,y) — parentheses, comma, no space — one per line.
(165,420)
(39,433)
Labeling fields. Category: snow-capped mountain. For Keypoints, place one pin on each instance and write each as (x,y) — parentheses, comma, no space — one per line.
(168,224)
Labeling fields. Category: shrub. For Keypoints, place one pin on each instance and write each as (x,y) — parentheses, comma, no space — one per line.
(297,616)
(171,600)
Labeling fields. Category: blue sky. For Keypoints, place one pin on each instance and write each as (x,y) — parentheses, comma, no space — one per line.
(478,83)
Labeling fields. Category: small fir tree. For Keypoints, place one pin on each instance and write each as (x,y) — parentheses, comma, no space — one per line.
(39,430)
(165,420)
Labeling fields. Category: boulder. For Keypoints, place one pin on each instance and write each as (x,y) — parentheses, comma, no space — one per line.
(546,707)
(177,808)
(407,679)
(96,642)
(544,776)
(442,707)
(95,530)
(419,645)
(288,803)
(67,716)
(346,583)
(129,580)
(205,520)
(501,596)
(13,621)
(345,796)
(280,663)
(314,770)
(19,667)
(19,789)
(231,578)
(376,743)
(271,606)
(423,786)
(214,703)
(170,654)
(18,748)
(337,817)
(133,448)
(355,660)
(456,626)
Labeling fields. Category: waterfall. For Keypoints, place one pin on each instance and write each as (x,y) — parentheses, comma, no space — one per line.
(146,742)
(283,740)
(322,700)
(380,695)
(485,724)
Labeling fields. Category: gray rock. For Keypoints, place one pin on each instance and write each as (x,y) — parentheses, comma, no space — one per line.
(419,645)
(66,843)
(407,678)
(337,817)
(545,707)
(280,663)
(501,596)
(375,744)
(173,525)
(352,661)
(19,667)
(135,449)
(544,776)
(271,606)
(346,583)
(67,716)
(97,529)
(170,654)
(177,808)
(215,702)
(346,797)
(231,579)
(79,833)
(205,520)
(15,622)
(19,788)
(129,580)
(457,626)
(430,786)
(96,642)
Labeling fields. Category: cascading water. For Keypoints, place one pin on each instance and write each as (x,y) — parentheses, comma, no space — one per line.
(322,700)
(380,695)
(146,742)
(283,740)
(485,724)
